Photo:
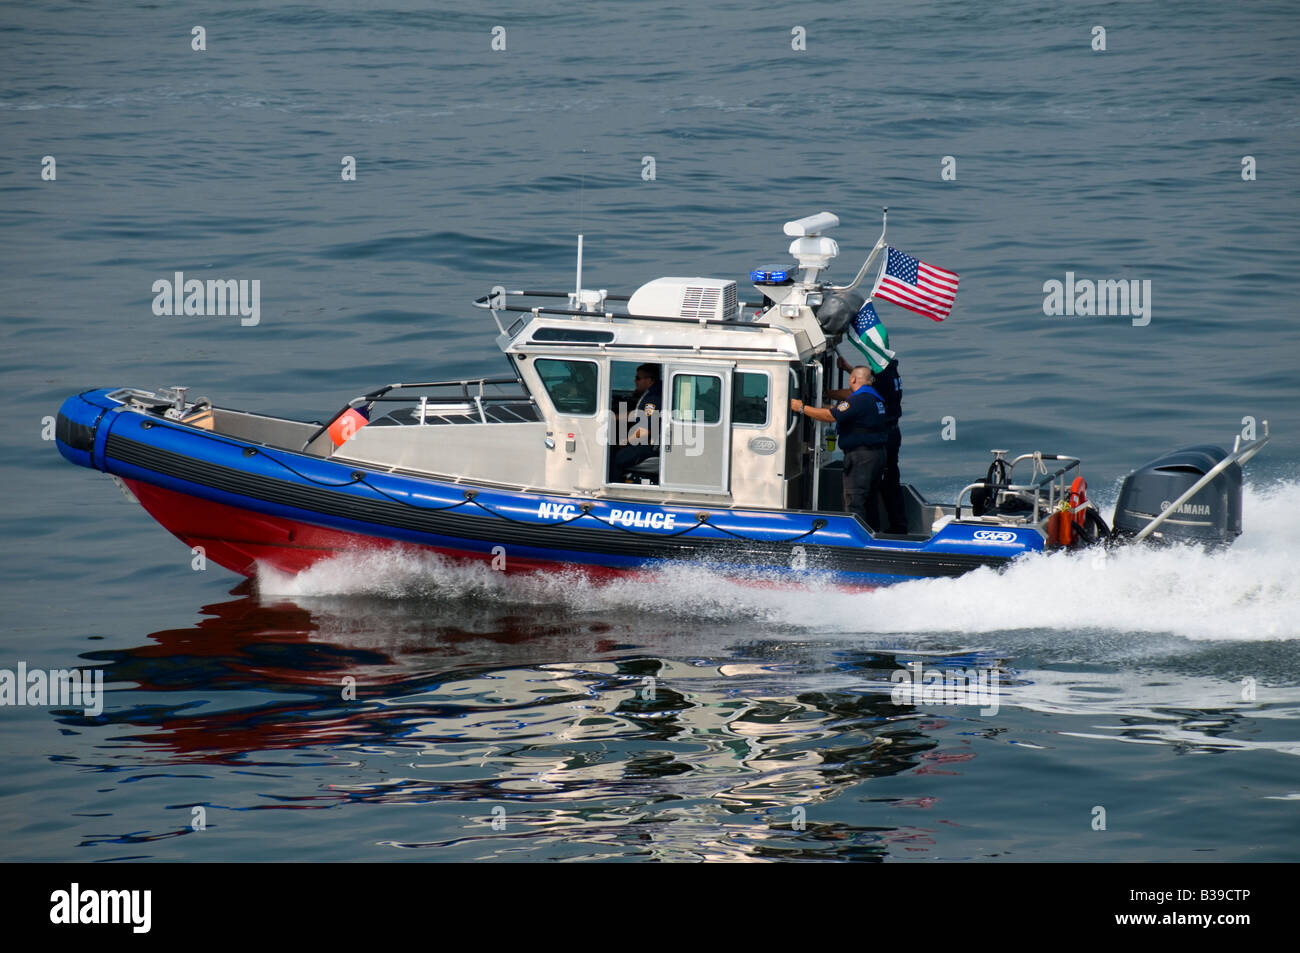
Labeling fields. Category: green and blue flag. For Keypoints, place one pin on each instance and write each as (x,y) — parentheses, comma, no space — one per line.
(870,339)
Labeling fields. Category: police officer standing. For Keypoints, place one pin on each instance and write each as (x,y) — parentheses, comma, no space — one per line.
(864,425)
(889,385)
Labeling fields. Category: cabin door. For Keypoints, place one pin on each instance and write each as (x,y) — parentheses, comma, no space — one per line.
(695,445)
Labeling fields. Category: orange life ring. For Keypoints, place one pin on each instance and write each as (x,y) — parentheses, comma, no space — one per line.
(1078,497)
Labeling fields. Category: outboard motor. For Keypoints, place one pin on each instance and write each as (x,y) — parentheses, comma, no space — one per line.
(1212,515)
(837,310)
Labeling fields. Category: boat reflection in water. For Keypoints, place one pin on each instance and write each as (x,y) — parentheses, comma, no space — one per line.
(717,745)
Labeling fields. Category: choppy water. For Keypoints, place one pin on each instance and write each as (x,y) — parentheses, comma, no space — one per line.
(679,717)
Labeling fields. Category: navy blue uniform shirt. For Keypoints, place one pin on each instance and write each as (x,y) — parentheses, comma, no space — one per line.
(651,400)
(650,403)
(862,420)
(890,387)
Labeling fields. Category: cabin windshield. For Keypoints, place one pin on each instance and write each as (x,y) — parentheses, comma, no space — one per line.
(571,385)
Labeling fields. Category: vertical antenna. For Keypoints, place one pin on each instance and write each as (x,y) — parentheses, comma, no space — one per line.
(582,190)
(578,288)
(582,185)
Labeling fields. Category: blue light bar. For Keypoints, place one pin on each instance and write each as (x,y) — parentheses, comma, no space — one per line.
(772,275)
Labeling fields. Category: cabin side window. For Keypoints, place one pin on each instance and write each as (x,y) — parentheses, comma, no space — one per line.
(749,394)
(572,336)
(571,385)
(697,398)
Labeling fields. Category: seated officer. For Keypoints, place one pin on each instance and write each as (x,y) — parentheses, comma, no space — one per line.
(643,441)
(864,425)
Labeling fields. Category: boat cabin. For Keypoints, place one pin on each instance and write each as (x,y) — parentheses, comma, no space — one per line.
(727,369)
(724,434)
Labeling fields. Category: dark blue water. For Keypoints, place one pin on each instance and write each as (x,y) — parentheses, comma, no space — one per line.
(1124,680)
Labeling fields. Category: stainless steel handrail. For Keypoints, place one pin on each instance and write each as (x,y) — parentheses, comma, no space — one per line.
(818,427)
(485,302)
(1048,481)
(380,396)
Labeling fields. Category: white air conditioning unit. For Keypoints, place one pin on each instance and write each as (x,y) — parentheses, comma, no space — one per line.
(702,299)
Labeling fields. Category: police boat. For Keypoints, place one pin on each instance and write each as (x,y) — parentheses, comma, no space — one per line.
(519,471)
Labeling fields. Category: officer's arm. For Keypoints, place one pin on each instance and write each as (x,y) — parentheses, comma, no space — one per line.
(644,414)
(816,413)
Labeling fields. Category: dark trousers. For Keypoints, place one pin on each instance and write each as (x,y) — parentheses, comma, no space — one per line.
(862,470)
(891,493)
(628,457)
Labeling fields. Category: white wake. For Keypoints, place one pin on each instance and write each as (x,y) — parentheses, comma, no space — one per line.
(1249,591)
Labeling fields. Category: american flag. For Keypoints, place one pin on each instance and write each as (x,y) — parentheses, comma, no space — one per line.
(912,284)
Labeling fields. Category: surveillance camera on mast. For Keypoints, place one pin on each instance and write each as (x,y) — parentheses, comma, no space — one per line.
(810,247)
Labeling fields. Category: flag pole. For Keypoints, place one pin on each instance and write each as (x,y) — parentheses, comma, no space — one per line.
(880,243)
